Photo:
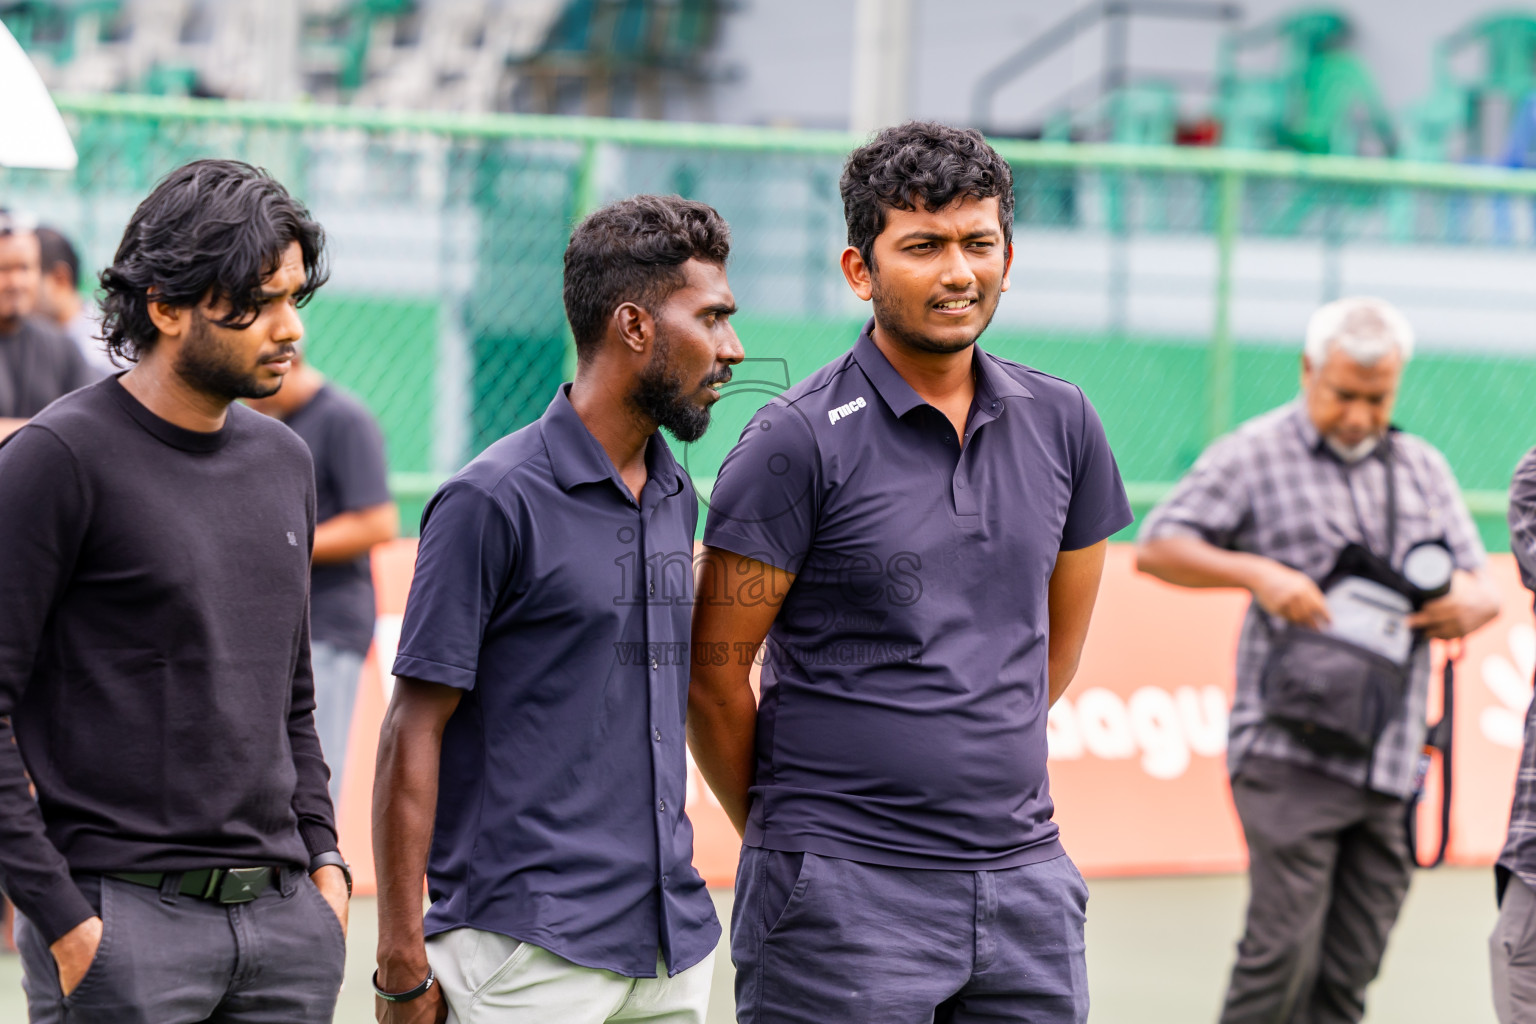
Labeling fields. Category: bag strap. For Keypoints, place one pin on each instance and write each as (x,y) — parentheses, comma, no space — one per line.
(1385,453)
(1389,463)
(1438,738)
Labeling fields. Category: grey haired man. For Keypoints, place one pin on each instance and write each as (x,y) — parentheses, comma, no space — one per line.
(1272,508)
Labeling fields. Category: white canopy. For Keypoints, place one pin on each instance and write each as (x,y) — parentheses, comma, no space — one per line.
(32,134)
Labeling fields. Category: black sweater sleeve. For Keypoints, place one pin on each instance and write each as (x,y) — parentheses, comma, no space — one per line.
(311,793)
(44,509)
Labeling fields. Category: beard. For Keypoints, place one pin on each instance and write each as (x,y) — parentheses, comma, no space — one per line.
(213,367)
(889,315)
(663,396)
(1351,454)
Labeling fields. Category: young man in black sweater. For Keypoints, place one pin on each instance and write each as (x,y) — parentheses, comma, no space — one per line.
(179,863)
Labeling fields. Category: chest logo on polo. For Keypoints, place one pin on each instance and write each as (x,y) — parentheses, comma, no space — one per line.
(844,411)
(293,541)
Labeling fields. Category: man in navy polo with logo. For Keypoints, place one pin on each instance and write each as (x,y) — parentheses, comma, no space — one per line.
(534,743)
(918,529)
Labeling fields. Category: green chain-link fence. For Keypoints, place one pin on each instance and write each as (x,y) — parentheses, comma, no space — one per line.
(1173,285)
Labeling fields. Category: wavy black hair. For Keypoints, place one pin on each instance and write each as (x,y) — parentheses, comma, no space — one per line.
(920,164)
(212,230)
(633,250)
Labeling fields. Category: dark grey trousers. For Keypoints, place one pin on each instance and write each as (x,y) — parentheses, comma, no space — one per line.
(1512,951)
(821,940)
(1328,870)
(177,960)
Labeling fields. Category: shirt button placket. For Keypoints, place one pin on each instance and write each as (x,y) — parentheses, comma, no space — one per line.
(965,497)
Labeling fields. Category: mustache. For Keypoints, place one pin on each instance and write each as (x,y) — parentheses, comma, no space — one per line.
(286,352)
(721,377)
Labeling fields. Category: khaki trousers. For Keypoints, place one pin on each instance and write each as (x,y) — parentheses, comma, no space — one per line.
(490,979)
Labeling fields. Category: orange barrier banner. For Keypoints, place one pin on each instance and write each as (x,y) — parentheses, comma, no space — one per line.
(1138,744)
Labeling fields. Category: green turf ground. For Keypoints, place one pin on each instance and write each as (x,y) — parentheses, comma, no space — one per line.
(1158,953)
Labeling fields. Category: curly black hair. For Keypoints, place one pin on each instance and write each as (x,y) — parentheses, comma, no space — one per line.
(633,250)
(920,163)
(212,230)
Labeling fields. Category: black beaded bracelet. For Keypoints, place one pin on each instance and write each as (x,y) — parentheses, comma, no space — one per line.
(407,996)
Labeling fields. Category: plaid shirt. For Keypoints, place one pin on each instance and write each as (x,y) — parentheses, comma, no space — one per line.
(1273,488)
(1519,854)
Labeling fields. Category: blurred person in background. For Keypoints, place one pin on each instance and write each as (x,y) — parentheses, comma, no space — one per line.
(918,529)
(180,861)
(353,512)
(60,300)
(1512,947)
(1272,508)
(532,761)
(38,362)
(34,368)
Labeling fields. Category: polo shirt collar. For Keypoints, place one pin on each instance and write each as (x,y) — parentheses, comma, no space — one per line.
(996,381)
(893,388)
(660,467)
(577,458)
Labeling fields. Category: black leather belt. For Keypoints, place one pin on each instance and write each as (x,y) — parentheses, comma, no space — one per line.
(217,885)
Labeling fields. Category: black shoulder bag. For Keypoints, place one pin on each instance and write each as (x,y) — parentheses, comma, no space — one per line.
(1335,696)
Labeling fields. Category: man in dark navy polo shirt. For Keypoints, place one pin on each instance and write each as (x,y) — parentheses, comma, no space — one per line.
(535,737)
(918,529)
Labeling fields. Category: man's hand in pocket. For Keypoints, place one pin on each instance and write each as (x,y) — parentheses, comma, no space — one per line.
(74,952)
(333,886)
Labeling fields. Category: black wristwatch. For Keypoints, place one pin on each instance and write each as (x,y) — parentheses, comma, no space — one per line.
(320,860)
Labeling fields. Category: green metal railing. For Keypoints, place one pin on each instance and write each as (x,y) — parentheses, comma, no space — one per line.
(444,312)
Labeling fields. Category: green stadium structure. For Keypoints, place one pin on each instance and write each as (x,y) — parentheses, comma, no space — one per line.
(56,30)
(1468,117)
(1320,99)
(612,48)
(594,56)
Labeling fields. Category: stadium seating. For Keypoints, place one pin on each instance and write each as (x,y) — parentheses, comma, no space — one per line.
(470,55)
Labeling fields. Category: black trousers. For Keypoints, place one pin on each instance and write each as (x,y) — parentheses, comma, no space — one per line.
(169,959)
(1328,871)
